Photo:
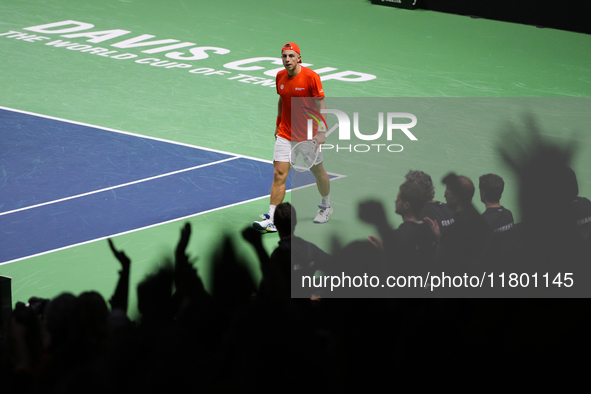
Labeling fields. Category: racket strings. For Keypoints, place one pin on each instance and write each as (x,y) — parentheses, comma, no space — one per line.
(303,155)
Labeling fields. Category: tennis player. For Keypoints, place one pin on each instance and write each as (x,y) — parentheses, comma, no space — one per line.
(296,81)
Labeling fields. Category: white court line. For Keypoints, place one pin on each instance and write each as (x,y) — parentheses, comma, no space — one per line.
(133,134)
(134,230)
(117,186)
(236,156)
(154,225)
(147,137)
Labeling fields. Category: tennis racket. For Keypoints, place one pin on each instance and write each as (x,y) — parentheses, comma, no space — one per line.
(303,155)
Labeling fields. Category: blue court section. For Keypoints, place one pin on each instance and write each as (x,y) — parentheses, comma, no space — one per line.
(44,160)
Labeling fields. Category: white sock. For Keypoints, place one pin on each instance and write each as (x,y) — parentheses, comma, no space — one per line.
(272,211)
(325,202)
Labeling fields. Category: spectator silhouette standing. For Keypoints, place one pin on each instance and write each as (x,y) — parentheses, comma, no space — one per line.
(499,218)
(412,242)
(24,347)
(410,248)
(548,237)
(293,258)
(305,258)
(435,210)
(463,241)
(581,206)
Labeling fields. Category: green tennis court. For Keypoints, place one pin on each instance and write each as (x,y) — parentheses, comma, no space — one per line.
(202,74)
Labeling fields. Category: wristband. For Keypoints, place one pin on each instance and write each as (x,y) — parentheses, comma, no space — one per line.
(278,120)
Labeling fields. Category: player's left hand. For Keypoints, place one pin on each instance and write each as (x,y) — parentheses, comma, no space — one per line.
(320,139)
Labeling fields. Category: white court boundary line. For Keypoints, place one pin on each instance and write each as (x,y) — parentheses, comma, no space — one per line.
(133,134)
(132,231)
(147,137)
(153,225)
(235,156)
(118,186)
(139,181)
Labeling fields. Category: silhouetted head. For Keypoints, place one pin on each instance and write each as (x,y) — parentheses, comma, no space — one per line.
(24,325)
(154,295)
(61,318)
(94,313)
(491,188)
(410,200)
(459,191)
(231,281)
(285,219)
(424,181)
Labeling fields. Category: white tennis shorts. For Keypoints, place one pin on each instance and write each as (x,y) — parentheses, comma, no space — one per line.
(282,149)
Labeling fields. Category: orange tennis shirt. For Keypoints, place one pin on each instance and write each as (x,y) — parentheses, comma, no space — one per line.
(306,85)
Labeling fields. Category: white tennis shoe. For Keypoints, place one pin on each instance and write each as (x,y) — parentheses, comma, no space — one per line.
(323,214)
(265,225)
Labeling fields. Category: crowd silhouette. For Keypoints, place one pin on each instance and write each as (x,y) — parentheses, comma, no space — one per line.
(279,335)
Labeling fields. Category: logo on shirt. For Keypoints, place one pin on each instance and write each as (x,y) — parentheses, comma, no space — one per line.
(298,88)
(281,87)
(446,223)
(504,228)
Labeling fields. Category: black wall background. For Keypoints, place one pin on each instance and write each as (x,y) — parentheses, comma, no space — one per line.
(571,15)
